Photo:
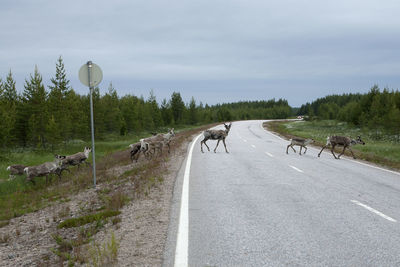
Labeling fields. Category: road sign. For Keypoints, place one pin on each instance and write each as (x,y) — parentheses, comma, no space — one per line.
(96,75)
(91,75)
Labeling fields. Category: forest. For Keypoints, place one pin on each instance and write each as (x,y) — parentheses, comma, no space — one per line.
(40,117)
(377,111)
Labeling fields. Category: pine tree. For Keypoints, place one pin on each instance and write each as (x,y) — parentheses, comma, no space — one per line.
(154,110)
(10,91)
(53,134)
(177,107)
(36,109)
(166,112)
(192,111)
(9,101)
(58,106)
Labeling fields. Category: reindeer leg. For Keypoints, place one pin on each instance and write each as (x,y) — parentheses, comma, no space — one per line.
(300,150)
(137,157)
(305,150)
(333,147)
(206,145)
(223,140)
(321,150)
(354,157)
(287,148)
(344,148)
(216,146)
(204,142)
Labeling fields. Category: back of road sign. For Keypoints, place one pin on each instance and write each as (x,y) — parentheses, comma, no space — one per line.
(96,75)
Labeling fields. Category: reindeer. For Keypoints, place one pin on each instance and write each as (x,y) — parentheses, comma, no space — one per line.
(77,158)
(16,169)
(346,142)
(156,142)
(44,169)
(153,143)
(215,135)
(299,142)
(135,152)
(168,137)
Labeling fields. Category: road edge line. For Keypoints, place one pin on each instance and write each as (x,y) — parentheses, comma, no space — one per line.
(182,241)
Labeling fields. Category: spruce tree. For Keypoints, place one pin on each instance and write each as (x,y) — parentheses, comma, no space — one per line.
(166,112)
(155,110)
(192,111)
(9,101)
(36,109)
(177,107)
(58,106)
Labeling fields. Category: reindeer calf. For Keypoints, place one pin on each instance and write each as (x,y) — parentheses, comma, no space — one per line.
(299,142)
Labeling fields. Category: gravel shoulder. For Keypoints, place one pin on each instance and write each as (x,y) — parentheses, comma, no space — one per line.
(141,230)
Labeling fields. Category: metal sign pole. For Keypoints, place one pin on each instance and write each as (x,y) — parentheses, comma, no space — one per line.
(89,65)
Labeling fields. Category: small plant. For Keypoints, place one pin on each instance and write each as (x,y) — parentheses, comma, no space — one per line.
(63,244)
(75,222)
(106,254)
(117,200)
(116,220)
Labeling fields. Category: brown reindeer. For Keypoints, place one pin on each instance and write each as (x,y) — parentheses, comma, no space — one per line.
(215,135)
(344,141)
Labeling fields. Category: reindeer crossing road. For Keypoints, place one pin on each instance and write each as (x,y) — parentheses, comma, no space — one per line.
(258,206)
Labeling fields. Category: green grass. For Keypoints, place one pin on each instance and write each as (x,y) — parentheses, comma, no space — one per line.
(383,151)
(75,222)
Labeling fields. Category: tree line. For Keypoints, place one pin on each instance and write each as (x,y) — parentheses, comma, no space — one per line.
(378,110)
(40,117)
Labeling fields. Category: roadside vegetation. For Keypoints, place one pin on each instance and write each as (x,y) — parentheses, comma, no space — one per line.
(119,181)
(384,151)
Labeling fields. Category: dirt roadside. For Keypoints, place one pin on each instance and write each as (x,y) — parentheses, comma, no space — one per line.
(141,229)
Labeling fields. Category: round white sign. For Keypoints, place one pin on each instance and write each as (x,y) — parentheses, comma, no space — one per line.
(96,75)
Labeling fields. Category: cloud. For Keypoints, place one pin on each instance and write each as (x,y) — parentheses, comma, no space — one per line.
(291,44)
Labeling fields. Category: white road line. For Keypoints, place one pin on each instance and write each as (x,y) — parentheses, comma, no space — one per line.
(245,140)
(269,154)
(182,241)
(253,146)
(297,169)
(373,210)
(372,166)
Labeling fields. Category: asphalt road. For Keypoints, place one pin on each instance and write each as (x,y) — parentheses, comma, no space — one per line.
(258,206)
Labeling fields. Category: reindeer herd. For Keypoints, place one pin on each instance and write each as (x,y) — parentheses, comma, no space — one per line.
(333,141)
(60,164)
(151,146)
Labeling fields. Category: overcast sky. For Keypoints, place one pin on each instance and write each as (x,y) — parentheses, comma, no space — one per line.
(216,51)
